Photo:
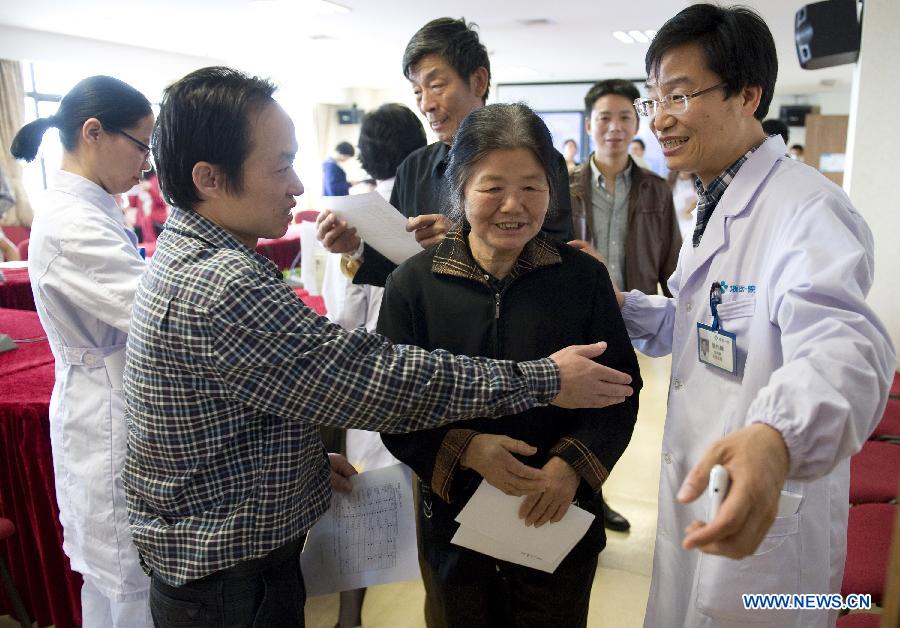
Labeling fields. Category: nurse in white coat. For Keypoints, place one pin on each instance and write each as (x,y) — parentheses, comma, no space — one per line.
(84,267)
(792,262)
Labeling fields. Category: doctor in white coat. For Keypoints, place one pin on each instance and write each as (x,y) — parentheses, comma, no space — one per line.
(84,267)
(789,377)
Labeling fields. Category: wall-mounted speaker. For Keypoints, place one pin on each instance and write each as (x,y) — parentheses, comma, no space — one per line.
(795,115)
(827,34)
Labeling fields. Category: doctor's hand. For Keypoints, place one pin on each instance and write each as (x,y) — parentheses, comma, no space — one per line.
(586,384)
(757,460)
(341,470)
(585,247)
(429,228)
(551,505)
(491,455)
(335,234)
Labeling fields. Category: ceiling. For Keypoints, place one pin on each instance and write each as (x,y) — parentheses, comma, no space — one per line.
(363,48)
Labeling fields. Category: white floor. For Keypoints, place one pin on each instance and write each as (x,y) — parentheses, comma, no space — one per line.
(623,578)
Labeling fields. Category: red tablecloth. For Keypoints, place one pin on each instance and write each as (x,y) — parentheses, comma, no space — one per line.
(15,289)
(283,250)
(39,568)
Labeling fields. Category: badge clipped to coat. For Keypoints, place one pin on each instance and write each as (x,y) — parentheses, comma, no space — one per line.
(716,346)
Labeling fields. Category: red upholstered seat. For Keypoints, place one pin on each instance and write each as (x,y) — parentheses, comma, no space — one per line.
(868,549)
(859,620)
(889,426)
(895,386)
(874,473)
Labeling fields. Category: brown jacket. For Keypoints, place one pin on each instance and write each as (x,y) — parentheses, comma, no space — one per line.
(653,242)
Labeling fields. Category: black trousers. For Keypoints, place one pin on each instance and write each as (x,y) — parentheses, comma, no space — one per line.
(467,589)
(256,593)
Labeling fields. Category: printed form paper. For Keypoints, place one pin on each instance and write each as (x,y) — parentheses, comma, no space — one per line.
(490,524)
(367,537)
(377,222)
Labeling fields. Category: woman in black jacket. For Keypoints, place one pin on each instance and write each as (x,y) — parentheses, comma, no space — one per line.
(497,287)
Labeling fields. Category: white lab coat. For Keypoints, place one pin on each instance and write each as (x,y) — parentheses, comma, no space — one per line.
(84,270)
(353,305)
(813,361)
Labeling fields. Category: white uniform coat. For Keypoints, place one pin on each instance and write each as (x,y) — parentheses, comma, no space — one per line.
(353,305)
(84,270)
(813,361)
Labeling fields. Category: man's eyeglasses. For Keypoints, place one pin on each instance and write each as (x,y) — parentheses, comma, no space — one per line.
(137,142)
(672,104)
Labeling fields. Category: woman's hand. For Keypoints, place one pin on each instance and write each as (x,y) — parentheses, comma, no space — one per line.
(551,505)
(491,455)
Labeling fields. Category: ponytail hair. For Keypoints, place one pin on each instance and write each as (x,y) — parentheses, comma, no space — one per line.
(117,105)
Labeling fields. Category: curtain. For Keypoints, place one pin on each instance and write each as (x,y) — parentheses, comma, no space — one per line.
(12,106)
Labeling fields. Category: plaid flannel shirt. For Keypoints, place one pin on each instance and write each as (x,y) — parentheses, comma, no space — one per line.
(228,376)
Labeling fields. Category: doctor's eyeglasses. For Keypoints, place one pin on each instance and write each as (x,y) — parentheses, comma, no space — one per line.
(138,143)
(672,104)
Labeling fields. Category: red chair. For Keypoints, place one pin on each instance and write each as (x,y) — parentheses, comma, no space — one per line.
(23,249)
(874,473)
(859,620)
(307,215)
(7,529)
(895,386)
(869,530)
(889,426)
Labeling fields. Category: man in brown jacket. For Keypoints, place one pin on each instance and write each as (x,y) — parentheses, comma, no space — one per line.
(624,211)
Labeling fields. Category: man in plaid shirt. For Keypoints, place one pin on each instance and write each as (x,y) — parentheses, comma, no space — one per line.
(229,375)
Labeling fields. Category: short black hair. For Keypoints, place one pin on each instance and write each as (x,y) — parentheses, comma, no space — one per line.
(774,126)
(117,105)
(638,140)
(736,42)
(345,148)
(499,126)
(797,147)
(615,87)
(205,116)
(455,41)
(386,137)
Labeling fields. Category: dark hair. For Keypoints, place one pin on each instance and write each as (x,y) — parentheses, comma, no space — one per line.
(386,137)
(497,127)
(455,41)
(736,42)
(797,147)
(615,87)
(205,116)
(117,105)
(345,148)
(774,126)
(638,140)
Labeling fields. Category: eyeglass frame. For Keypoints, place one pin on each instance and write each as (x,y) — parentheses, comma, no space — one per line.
(666,102)
(138,142)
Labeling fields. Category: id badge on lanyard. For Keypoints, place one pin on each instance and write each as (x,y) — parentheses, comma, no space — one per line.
(716,346)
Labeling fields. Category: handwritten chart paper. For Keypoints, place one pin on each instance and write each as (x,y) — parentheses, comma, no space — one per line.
(366,538)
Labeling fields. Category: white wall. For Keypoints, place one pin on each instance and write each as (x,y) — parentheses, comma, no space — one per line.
(149,71)
(872,162)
